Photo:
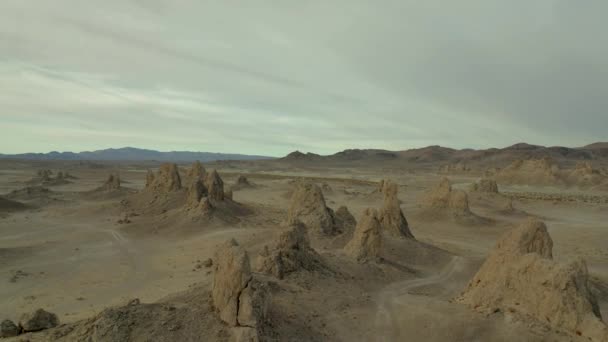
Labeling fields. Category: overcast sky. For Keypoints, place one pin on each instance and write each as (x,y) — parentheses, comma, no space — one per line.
(269,77)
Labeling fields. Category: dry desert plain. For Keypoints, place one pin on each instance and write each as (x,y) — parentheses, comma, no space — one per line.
(136,251)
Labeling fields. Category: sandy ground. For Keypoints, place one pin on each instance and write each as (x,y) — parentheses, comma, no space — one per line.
(68,254)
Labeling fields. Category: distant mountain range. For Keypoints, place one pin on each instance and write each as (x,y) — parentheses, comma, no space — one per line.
(433,154)
(134,154)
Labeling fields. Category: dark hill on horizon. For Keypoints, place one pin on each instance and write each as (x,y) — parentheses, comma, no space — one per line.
(439,154)
(134,154)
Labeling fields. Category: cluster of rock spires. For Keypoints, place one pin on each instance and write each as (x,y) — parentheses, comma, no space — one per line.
(111,184)
(444,200)
(204,190)
(29,322)
(167,179)
(485,185)
(308,206)
(240,298)
(546,171)
(290,252)
(519,276)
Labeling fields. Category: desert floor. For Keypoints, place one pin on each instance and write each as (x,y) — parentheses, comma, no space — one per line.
(68,254)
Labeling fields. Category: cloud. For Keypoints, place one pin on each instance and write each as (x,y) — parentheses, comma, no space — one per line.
(319,76)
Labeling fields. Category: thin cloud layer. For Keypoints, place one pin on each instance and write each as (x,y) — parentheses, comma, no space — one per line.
(268,78)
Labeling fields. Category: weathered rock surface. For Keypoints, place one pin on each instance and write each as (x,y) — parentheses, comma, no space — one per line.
(308,206)
(9,329)
(344,219)
(444,199)
(519,276)
(167,179)
(38,320)
(289,252)
(112,183)
(215,186)
(391,217)
(241,300)
(196,172)
(366,243)
(485,185)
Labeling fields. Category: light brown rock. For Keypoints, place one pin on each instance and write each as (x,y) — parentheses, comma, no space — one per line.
(38,320)
(232,274)
(366,243)
(289,252)
(485,185)
(519,276)
(391,217)
(308,206)
(167,179)
(215,186)
(444,199)
(196,172)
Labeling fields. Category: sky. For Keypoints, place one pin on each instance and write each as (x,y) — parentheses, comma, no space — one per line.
(269,77)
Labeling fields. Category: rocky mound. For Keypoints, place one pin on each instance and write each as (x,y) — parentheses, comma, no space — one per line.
(344,219)
(167,179)
(111,184)
(543,171)
(30,192)
(7,205)
(520,277)
(366,243)
(584,175)
(391,217)
(308,206)
(242,183)
(454,168)
(290,252)
(241,300)
(444,200)
(485,185)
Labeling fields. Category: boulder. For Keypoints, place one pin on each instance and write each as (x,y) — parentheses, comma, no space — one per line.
(38,320)
(9,329)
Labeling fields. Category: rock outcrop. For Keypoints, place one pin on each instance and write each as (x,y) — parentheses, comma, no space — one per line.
(344,219)
(215,186)
(366,243)
(290,252)
(444,200)
(519,276)
(308,206)
(111,184)
(391,217)
(543,171)
(167,179)
(484,185)
(38,320)
(9,329)
(196,172)
(241,300)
